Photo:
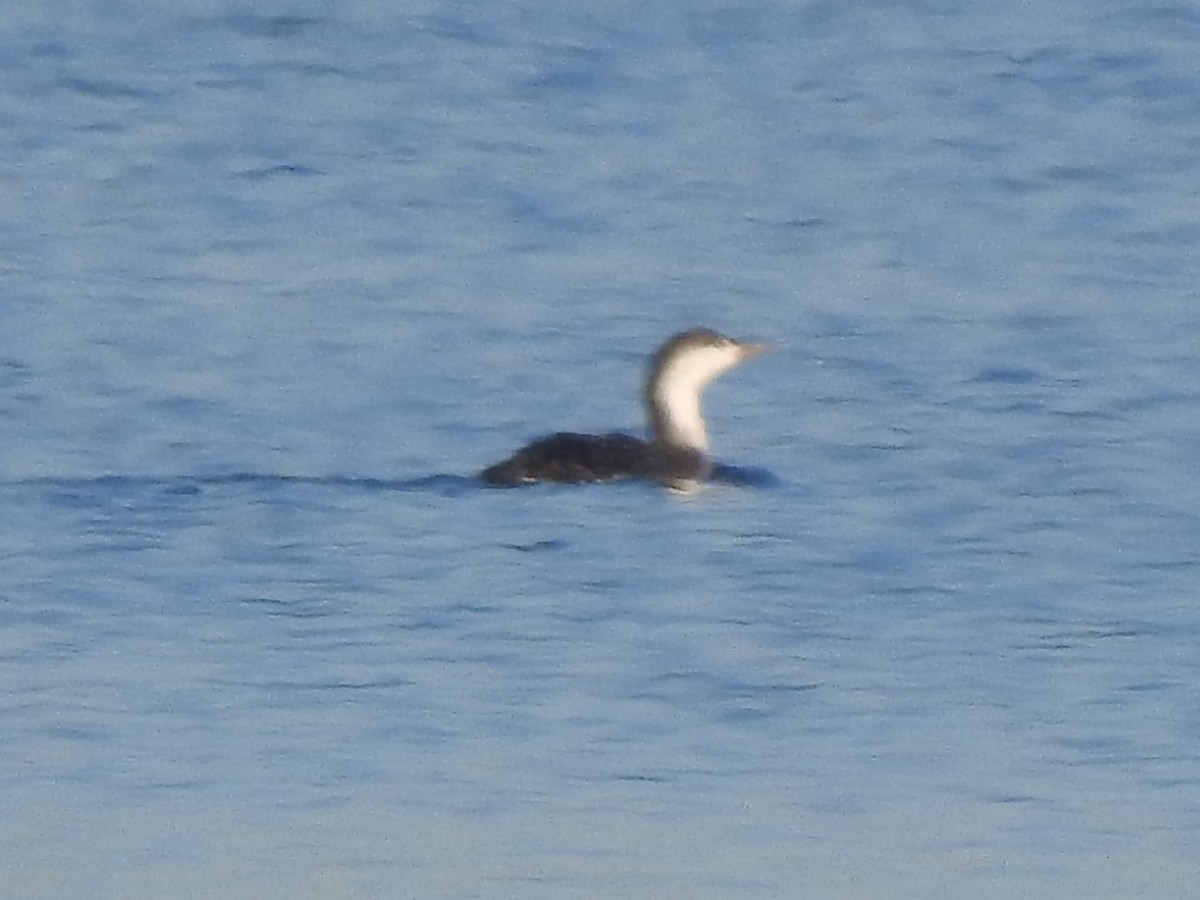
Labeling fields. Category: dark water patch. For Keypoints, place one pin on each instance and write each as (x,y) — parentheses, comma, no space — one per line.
(595,614)
(13,375)
(537,546)
(283,170)
(789,224)
(1149,687)
(1089,176)
(845,326)
(445,617)
(86,491)
(455,29)
(104,90)
(745,476)
(1006,375)
(292,609)
(642,778)
(270,27)
(728,698)
(1062,639)
(1014,800)
(569,69)
(56,50)
(292,687)
(446,485)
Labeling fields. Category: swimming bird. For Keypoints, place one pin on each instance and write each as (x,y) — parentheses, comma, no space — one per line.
(676,455)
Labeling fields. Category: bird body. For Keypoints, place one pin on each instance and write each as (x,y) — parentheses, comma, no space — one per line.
(676,455)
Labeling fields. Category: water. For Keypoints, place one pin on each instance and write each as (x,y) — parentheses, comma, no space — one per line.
(278,280)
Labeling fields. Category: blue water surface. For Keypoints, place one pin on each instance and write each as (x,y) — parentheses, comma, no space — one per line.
(280,278)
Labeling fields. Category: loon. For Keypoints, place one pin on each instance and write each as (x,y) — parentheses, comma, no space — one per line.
(676,456)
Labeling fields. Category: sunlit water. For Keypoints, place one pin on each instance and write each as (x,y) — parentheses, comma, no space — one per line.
(278,282)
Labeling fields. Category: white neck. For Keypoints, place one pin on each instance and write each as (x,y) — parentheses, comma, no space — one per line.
(673,394)
(676,417)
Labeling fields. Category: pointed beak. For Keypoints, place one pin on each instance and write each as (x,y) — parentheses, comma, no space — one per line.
(750,350)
